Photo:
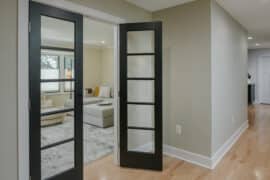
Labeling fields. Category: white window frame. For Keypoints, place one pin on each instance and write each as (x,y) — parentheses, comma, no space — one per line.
(23,71)
(60,73)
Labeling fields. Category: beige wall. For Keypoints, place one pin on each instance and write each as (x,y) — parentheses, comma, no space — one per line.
(107,66)
(119,8)
(186,78)
(91,66)
(8,95)
(98,66)
(229,75)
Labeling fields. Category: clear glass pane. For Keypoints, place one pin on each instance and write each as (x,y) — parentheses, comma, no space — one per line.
(57,64)
(69,66)
(141,141)
(140,91)
(141,66)
(55,101)
(50,68)
(57,160)
(141,116)
(57,33)
(141,41)
(68,86)
(56,128)
(52,87)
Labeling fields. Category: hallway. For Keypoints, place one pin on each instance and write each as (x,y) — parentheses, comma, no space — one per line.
(248,159)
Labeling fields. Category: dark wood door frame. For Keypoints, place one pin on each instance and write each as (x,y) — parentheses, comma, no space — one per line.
(36,11)
(130,158)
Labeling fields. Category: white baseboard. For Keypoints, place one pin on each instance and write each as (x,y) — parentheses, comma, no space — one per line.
(188,156)
(201,160)
(217,157)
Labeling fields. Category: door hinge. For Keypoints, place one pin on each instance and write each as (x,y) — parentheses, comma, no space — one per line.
(29,27)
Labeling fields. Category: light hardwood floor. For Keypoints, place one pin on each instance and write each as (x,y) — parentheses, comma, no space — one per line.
(249,159)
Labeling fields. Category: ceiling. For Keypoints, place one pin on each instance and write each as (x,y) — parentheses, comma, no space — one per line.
(62,32)
(254,15)
(155,5)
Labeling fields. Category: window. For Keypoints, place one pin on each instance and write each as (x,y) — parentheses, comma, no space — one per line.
(50,69)
(68,72)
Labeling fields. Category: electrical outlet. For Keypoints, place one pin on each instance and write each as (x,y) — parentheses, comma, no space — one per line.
(178,129)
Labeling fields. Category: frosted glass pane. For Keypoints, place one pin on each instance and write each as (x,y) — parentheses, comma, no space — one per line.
(140,91)
(57,160)
(141,116)
(141,141)
(141,41)
(141,66)
(57,33)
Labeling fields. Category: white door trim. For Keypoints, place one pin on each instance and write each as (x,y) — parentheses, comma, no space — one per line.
(23,80)
(23,89)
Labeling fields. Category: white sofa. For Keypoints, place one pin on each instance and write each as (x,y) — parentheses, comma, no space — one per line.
(98,115)
(95,114)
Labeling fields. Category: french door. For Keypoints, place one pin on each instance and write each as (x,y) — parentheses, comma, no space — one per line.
(56,49)
(141,95)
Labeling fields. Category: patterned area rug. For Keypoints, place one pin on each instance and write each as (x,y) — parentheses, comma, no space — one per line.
(98,142)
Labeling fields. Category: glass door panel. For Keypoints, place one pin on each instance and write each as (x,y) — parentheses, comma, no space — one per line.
(56,93)
(57,33)
(140,42)
(141,116)
(57,117)
(141,141)
(57,159)
(141,96)
(141,91)
(141,66)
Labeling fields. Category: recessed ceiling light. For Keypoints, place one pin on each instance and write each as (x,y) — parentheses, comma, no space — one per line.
(102,42)
(250,37)
(257,44)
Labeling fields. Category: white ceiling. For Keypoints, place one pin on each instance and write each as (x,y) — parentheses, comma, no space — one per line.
(94,32)
(155,5)
(254,15)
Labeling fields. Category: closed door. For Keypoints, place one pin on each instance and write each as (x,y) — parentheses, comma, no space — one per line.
(141,95)
(264,80)
(55,72)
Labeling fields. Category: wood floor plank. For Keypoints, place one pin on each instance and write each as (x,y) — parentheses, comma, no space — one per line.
(249,159)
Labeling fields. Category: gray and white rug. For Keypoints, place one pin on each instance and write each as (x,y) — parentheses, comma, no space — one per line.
(98,142)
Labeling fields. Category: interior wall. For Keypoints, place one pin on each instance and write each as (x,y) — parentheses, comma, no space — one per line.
(8,95)
(117,8)
(107,66)
(91,66)
(229,75)
(186,76)
(253,57)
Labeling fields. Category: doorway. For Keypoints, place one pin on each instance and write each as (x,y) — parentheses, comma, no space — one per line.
(58,115)
(264,79)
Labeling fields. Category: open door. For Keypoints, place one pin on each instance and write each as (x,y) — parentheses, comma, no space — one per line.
(56,52)
(141,95)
